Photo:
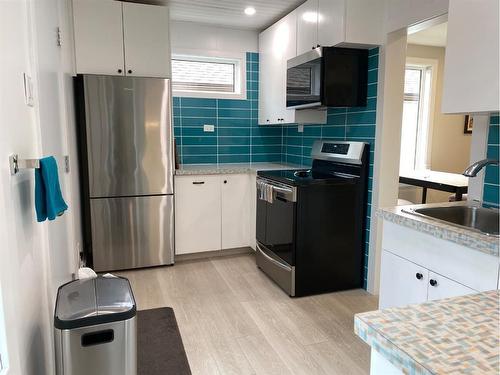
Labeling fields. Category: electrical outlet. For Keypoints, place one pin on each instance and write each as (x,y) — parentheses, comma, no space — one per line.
(300,128)
(208,128)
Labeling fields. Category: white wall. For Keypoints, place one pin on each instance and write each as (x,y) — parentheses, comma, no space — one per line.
(386,164)
(403,13)
(35,257)
(188,35)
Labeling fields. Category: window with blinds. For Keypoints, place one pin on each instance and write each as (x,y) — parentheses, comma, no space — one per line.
(208,76)
(416,118)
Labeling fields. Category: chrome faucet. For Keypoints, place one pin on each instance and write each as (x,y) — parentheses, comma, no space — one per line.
(474,169)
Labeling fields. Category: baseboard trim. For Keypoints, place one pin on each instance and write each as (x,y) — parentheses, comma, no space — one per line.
(214,254)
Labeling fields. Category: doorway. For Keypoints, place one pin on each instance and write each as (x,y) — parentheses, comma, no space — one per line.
(435,147)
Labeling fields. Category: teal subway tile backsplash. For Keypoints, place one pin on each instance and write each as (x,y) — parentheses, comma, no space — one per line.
(237,137)
(491,179)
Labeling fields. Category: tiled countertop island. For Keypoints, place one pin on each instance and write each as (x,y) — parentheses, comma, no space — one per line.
(457,335)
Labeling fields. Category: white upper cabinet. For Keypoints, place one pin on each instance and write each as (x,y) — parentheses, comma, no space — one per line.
(471,73)
(307,26)
(339,23)
(146,40)
(117,38)
(98,37)
(330,22)
(277,45)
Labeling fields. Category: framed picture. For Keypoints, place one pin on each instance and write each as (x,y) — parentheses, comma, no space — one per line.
(469,124)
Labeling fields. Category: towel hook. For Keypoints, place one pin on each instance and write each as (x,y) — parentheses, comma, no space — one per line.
(17,164)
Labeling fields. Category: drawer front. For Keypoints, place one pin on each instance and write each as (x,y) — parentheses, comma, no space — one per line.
(469,267)
(274,267)
(132,232)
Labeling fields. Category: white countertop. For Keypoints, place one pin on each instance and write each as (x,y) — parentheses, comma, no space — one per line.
(195,169)
(445,178)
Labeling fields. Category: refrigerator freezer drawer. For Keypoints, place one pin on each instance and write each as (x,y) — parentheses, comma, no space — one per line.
(132,232)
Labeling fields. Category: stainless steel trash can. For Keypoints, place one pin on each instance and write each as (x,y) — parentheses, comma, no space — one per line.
(95,328)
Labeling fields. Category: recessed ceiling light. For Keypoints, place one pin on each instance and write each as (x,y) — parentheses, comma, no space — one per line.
(249,11)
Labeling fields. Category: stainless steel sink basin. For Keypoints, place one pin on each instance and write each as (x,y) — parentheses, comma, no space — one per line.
(480,219)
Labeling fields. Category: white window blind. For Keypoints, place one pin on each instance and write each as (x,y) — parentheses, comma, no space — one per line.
(203,76)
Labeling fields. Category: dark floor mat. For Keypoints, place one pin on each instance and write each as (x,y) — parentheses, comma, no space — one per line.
(159,344)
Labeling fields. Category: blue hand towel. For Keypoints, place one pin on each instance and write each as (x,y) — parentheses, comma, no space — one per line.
(49,202)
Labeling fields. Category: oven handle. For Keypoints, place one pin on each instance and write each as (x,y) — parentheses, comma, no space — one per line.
(272,260)
(287,194)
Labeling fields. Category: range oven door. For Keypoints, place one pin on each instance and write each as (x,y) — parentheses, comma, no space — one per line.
(276,212)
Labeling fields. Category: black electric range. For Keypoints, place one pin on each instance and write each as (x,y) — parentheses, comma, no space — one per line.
(310,222)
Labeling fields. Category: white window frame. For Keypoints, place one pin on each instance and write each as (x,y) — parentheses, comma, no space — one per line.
(423,149)
(240,73)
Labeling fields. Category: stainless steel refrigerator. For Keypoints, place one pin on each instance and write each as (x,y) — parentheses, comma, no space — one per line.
(127,165)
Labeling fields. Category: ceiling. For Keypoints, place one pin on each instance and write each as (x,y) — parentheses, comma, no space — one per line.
(228,13)
(433,36)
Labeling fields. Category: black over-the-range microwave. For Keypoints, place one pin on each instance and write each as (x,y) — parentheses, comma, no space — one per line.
(327,77)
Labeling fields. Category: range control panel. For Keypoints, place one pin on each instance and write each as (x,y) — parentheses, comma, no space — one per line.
(339,151)
(335,148)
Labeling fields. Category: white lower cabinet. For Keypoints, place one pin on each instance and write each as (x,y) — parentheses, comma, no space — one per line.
(197,214)
(401,282)
(213,212)
(236,195)
(441,287)
(417,267)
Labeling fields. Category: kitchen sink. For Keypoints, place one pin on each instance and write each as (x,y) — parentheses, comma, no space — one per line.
(484,220)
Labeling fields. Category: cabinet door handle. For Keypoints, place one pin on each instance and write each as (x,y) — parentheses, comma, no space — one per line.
(419,276)
(225,181)
(433,282)
(198,182)
(130,71)
(318,45)
(119,70)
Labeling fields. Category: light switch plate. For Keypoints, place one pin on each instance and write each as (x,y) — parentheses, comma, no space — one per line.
(208,128)
(300,128)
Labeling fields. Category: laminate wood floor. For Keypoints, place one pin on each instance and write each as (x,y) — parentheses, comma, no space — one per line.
(234,320)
